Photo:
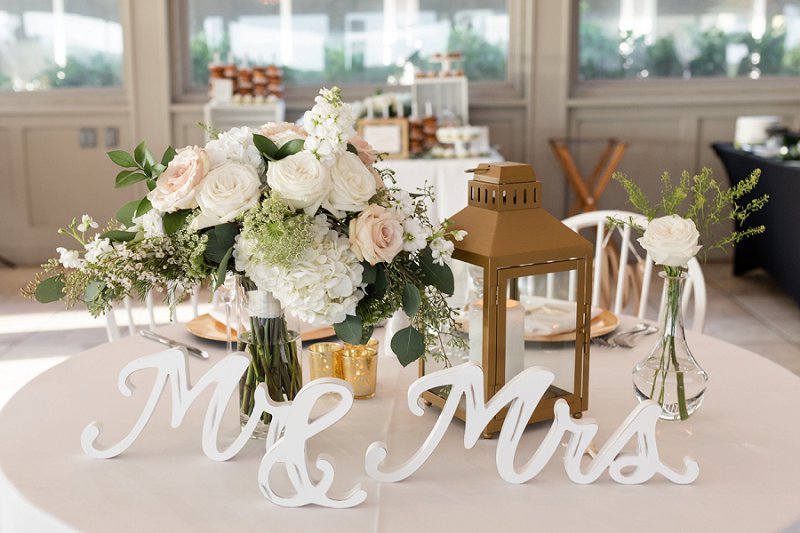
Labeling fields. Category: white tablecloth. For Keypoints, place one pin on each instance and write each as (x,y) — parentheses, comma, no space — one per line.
(447,176)
(745,438)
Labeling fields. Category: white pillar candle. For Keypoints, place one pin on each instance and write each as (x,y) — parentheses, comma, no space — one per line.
(515,336)
(370,114)
(385,109)
(428,109)
(414,110)
(400,111)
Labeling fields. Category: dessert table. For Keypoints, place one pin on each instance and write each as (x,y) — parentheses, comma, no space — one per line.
(745,438)
(776,250)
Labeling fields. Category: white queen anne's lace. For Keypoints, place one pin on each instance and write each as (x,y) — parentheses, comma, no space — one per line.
(322,287)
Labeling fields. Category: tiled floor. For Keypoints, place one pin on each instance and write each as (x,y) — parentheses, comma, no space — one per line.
(750,311)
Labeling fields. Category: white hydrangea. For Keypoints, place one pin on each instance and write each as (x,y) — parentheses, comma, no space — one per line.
(97,248)
(235,145)
(69,258)
(329,125)
(322,287)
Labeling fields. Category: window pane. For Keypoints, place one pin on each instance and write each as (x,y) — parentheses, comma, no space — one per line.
(45,44)
(641,39)
(349,41)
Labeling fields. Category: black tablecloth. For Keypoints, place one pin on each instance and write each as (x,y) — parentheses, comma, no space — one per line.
(777,250)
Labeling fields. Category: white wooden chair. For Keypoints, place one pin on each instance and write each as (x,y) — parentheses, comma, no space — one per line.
(114,331)
(626,274)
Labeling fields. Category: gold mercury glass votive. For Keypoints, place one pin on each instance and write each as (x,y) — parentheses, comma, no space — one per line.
(360,369)
(324,361)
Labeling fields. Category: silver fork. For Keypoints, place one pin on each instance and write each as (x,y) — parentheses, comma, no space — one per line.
(623,340)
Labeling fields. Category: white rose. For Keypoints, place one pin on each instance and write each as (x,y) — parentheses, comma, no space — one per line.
(301,180)
(353,184)
(177,185)
(227,191)
(376,235)
(671,240)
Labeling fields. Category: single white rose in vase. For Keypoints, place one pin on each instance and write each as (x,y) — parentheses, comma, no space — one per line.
(376,235)
(352,184)
(301,180)
(177,186)
(227,191)
(671,240)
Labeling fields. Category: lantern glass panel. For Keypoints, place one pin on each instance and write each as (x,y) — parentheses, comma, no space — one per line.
(541,319)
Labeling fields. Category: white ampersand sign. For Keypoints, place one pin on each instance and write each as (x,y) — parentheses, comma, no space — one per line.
(289,429)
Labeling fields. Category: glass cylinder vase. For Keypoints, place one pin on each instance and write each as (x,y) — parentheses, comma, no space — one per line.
(273,343)
(670,375)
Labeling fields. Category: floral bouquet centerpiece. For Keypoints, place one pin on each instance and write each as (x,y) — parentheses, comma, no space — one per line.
(670,374)
(302,215)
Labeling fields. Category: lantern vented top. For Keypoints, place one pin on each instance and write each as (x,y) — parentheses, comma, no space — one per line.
(504,187)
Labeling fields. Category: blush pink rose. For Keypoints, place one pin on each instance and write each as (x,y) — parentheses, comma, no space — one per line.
(376,235)
(366,152)
(176,187)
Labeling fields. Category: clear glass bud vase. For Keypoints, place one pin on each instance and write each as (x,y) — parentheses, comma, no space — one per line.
(670,375)
(272,341)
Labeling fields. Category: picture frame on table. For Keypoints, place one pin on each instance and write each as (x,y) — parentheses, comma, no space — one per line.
(389,136)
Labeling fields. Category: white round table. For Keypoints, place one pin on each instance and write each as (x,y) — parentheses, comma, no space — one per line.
(745,438)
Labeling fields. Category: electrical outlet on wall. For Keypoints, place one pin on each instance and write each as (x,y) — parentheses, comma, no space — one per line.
(87,137)
(112,137)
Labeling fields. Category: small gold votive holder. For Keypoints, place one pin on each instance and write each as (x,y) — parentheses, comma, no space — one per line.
(324,361)
(359,366)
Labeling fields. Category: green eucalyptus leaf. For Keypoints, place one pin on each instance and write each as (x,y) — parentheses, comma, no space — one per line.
(50,289)
(118,235)
(369,273)
(439,276)
(127,212)
(349,330)
(151,184)
(128,177)
(265,146)
(93,291)
(121,158)
(366,334)
(143,207)
(408,344)
(377,289)
(169,155)
(223,267)
(220,239)
(175,221)
(411,300)
(140,154)
(290,148)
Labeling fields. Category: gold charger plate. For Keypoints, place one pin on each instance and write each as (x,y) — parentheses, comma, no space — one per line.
(207,327)
(603,323)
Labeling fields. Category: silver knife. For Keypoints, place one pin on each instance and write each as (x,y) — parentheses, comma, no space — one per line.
(197,352)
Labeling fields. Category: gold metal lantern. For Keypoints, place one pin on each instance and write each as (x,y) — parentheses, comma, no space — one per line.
(535,274)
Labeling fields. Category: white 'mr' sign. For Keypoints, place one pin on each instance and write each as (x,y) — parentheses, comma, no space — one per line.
(291,427)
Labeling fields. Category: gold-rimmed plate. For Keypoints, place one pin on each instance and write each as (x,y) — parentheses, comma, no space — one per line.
(605,322)
(207,327)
